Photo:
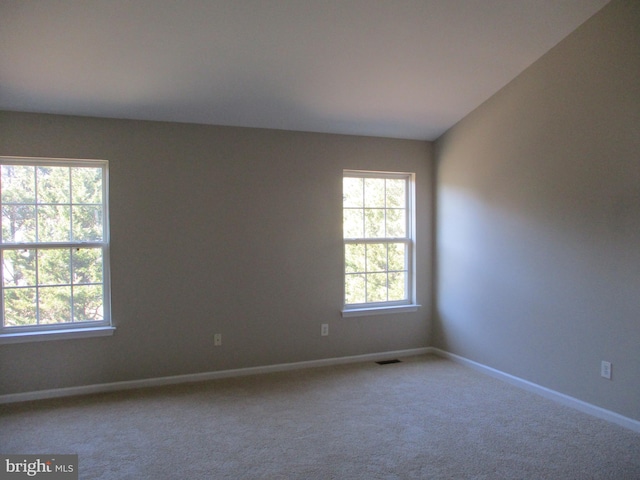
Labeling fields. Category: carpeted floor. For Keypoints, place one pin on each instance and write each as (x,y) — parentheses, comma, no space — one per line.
(424,418)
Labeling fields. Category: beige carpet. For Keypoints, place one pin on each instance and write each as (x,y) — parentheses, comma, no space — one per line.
(424,418)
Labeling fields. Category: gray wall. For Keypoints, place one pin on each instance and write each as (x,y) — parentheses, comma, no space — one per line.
(219,230)
(538,219)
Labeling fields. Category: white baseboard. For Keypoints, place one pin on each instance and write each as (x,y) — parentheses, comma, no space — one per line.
(566,400)
(199,377)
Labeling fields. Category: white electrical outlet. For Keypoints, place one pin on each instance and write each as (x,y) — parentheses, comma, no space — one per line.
(605,369)
(217,340)
(324,329)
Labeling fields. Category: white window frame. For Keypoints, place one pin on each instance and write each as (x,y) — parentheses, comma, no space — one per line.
(93,328)
(387,307)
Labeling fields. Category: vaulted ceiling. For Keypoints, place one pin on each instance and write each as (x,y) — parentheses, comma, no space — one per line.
(396,68)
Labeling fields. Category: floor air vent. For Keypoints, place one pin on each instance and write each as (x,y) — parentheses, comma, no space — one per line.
(387,362)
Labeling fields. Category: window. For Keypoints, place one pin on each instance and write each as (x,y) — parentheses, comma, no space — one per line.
(54,247)
(378,241)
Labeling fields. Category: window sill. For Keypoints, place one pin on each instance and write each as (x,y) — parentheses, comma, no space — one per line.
(24,337)
(362,312)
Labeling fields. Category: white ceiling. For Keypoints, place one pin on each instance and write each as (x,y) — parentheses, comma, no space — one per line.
(396,68)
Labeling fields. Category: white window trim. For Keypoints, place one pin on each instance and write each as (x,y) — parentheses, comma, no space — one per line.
(66,334)
(385,308)
(38,333)
(367,311)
